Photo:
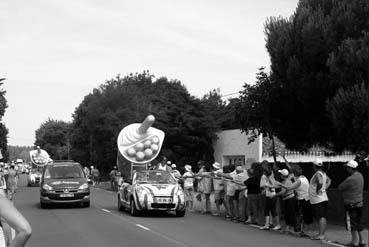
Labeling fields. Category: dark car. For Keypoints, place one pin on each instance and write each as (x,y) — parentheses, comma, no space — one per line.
(64,182)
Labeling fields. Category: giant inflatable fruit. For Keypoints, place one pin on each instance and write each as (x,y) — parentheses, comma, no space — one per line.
(140,143)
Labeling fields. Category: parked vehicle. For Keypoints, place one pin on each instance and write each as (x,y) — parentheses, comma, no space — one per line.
(151,190)
(34,177)
(64,182)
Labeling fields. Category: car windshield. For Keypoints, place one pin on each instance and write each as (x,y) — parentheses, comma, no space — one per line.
(155,177)
(62,171)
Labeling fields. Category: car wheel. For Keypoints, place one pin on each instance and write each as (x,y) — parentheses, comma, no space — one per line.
(86,204)
(43,205)
(134,211)
(180,213)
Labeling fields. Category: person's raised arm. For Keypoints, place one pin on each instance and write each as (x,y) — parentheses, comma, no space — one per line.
(15,220)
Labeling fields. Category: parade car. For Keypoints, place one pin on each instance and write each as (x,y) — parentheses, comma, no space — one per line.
(64,182)
(34,177)
(151,190)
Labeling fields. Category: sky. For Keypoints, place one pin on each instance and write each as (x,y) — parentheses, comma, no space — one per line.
(53,53)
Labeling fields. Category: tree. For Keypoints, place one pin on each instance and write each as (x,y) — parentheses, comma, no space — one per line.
(349,113)
(118,102)
(253,109)
(321,48)
(53,137)
(3,130)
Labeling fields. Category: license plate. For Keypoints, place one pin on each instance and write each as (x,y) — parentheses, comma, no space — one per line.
(163,200)
(67,195)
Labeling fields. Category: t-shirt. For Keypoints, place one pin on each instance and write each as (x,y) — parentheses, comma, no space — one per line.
(352,189)
(218,181)
(240,178)
(265,180)
(188,180)
(253,185)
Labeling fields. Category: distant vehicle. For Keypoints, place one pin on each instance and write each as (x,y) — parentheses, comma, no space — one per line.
(34,177)
(64,182)
(151,190)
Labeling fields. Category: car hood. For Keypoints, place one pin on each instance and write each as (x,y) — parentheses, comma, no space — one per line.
(160,189)
(65,183)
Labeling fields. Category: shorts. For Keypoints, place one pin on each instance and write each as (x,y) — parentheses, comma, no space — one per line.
(219,196)
(320,210)
(270,206)
(236,196)
(189,193)
(354,218)
(305,211)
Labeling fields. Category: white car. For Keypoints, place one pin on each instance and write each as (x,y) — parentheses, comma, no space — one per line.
(152,190)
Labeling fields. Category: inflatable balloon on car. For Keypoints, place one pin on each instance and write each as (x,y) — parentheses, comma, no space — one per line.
(139,143)
(39,157)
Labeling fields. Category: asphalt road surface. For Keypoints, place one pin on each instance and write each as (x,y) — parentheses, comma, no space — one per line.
(103,225)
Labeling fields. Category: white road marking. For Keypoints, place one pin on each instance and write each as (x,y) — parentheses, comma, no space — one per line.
(143,227)
(105,210)
(332,243)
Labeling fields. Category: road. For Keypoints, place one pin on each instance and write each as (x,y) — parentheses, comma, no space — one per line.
(103,225)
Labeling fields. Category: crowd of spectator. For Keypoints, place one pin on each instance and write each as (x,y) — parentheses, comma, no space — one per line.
(266,193)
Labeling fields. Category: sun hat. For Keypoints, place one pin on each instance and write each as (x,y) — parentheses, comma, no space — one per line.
(188,168)
(239,168)
(174,166)
(216,165)
(318,162)
(284,172)
(169,163)
(352,164)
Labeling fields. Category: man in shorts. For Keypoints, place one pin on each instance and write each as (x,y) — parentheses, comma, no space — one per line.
(352,193)
(218,188)
(319,184)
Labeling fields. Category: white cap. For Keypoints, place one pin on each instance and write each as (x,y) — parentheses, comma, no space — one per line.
(318,162)
(216,165)
(188,168)
(174,166)
(352,164)
(169,163)
(284,172)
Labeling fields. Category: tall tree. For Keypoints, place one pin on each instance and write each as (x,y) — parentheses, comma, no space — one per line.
(321,48)
(253,109)
(122,101)
(3,130)
(53,136)
(349,113)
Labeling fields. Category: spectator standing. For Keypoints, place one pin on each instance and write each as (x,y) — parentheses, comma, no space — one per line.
(319,184)
(188,178)
(207,188)
(290,208)
(218,188)
(113,174)
(268,184)
(175,172)
(253,191)
(352,193)
(240,177)
(11,182)
(301,187)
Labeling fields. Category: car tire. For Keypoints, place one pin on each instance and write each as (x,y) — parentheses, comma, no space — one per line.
(133,209)
(86,204)
(43,205)
(181,213)
(120,206)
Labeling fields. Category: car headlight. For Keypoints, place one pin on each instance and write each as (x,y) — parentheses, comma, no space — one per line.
(83,186)
(47,187)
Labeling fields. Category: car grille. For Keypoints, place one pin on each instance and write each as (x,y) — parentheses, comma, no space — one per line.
(58,198)
(69,191)
(163,205)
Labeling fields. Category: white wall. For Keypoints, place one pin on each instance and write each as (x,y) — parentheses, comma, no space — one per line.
(232,144)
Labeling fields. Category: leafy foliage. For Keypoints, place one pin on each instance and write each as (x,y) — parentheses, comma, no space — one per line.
(53,136)
(119,102)
(3,130)
(349,112)
(321,48)
(19,152)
